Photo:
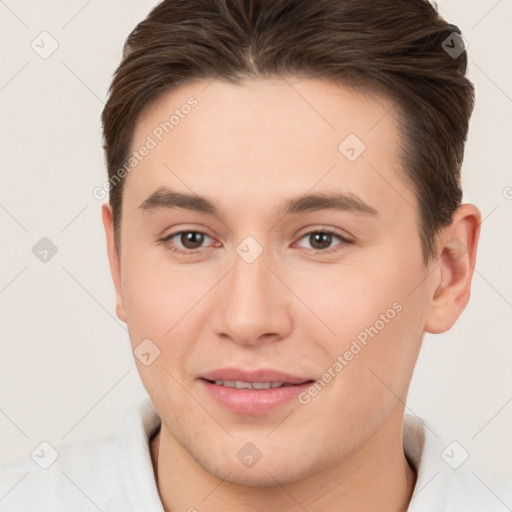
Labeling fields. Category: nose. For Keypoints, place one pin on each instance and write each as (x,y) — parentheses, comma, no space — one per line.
(253,305)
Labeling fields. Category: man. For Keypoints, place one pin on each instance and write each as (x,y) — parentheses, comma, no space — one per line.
(284,225)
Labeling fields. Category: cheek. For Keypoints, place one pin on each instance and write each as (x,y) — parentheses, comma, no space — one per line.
(156,303)
(166,304)
(368,317)
(152,296)
(389,351)
(344,299)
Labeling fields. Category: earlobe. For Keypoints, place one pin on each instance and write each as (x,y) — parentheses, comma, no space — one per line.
(113,258)
(451,284)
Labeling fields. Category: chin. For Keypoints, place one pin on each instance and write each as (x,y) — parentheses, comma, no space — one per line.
(263,477)
(262,474)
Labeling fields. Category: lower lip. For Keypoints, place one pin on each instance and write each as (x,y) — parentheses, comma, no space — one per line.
(253,401)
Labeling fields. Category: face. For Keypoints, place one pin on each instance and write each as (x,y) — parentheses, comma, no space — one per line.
(257,275)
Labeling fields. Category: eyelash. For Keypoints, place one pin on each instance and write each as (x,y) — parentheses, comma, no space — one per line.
(172,248)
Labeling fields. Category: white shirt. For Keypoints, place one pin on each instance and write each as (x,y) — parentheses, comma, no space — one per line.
(114,473)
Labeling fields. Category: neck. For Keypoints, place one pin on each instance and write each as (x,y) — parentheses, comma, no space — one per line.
(376,476)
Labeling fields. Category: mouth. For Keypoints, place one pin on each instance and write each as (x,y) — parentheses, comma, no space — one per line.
(237,384)
(256,379)
(261,393)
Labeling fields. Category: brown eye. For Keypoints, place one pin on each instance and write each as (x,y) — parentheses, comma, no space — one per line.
(322,239)
(191,239)
(187,241)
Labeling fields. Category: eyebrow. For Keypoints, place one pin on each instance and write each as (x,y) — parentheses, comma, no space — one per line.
(164,197)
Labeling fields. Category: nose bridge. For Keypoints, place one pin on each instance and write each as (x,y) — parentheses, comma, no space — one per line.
(252,305)
(250,274)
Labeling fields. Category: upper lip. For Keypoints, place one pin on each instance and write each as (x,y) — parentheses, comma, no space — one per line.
(260,375)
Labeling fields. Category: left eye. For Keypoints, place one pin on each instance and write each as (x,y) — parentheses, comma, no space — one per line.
(322,239)
(192,241)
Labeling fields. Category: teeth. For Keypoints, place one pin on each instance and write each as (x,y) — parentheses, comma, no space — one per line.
(249,385)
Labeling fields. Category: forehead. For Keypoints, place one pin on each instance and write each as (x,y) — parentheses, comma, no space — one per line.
(253,142)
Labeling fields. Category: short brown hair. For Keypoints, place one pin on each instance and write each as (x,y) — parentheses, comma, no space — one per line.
(398,46)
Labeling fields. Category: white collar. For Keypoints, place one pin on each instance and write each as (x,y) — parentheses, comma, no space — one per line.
(133,457)
(439,487)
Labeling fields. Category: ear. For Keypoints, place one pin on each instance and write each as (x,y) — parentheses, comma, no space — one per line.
(113,258)
(451,283)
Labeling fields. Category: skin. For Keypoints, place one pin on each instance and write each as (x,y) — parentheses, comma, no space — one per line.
(248,148)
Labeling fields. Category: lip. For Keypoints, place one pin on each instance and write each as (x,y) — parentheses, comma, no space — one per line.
(260,375)
(253,401)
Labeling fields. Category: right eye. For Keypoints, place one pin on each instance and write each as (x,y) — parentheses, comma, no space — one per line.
(190,241)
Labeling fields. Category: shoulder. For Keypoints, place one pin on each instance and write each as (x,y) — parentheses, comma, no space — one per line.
(446,481)
(480,488)
(80,475)
(108,473)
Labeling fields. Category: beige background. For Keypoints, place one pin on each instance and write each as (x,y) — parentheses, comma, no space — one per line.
(66,369)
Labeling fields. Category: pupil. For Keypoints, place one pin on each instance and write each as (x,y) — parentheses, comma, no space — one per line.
(190,238)
(322,239)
